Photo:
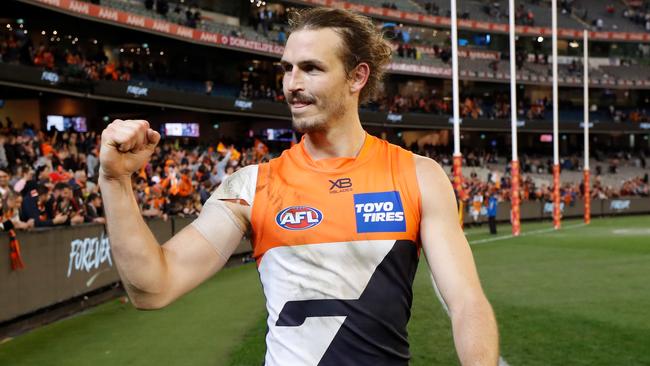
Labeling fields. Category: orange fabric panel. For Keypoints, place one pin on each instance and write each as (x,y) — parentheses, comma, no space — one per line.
(329,186)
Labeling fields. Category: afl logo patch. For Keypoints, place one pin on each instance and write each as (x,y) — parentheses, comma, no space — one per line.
(298,218)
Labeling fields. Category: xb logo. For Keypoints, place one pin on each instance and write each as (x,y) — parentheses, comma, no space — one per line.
(340,185)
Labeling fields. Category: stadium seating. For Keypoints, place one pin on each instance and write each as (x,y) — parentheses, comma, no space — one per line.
(138,7)
(595,9)
(478,10)
(580,14)
(624,72)
(403,5)
(628,170)
(472,68)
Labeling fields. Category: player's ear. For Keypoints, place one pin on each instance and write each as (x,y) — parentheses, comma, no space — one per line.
(359,77)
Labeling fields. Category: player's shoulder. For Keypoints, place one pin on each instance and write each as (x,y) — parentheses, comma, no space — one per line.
(246,171)
(239,186)
(393,149)
(243,176)
(433,181)
(435,186)
(427,168)
(389,145)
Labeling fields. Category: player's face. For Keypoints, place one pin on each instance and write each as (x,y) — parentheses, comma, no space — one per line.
(315,83)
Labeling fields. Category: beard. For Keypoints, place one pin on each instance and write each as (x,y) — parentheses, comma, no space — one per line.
(329,109)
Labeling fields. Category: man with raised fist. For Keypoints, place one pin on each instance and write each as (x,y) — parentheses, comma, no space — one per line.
(153,274)
(337,223)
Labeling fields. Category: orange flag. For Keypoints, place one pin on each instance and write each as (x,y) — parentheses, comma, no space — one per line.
(221,148)
(234,154)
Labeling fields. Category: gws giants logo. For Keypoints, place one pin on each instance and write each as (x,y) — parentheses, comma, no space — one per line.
(298,218)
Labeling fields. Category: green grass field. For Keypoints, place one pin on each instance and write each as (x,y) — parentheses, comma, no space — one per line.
(578,296)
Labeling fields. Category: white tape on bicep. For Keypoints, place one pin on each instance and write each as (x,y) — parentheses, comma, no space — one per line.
(220,227)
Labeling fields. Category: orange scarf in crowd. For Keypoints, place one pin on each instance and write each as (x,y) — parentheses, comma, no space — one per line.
(14,252)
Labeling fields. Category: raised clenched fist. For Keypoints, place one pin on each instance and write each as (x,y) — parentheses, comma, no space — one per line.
(126,147)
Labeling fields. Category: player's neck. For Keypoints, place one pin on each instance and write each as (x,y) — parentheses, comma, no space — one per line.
(343,140)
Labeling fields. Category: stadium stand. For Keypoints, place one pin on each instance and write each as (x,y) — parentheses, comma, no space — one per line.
(191,17)
(269,33)
(403,5)
(125,67)
(533,13)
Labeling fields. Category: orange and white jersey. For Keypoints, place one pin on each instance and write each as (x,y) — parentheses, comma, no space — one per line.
(337,244)
(477,202)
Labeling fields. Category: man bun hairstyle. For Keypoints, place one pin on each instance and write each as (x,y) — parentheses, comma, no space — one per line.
(360,41)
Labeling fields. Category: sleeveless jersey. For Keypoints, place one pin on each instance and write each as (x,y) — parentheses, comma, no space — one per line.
(337,244)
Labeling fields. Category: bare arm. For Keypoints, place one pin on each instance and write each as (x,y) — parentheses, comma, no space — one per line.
(153,275)
(452,265)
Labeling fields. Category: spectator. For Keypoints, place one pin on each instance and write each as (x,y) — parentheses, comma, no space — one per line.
(264,16)
(5,189)
(162,7)
(493,203)
(25,174)
(35,207)
(204,191)
(92,164)
(66,204)
(219,173)
(11,212)
(81,184)
(282,36)
(94,211)
(156,205)
(4,163)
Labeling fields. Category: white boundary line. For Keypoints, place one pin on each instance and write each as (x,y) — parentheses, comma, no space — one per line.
(534,232)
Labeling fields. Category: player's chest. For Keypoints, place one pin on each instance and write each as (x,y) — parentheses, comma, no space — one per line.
(334,206)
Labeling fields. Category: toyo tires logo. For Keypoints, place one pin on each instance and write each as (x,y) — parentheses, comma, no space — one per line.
(298,218)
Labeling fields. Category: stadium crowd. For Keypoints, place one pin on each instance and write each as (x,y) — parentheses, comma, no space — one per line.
(471,107)
(498,181)
(50,178)
(69,60)
(501,184)
(192,15)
